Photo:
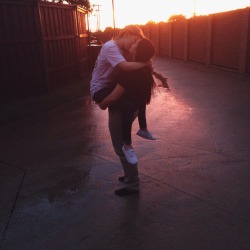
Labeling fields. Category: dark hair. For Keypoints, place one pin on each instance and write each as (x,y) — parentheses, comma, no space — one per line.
(145,50)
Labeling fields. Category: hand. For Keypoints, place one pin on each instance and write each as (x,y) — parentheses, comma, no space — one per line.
(103,107)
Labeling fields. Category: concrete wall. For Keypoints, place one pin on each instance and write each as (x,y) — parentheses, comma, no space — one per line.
(220,40)
(226,37)
(165,39)
(179,40)
(197,39)
(248,41)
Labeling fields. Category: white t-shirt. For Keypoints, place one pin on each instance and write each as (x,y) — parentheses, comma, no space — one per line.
(109,56)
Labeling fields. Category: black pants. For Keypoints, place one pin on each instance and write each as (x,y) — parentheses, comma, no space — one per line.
(142,116)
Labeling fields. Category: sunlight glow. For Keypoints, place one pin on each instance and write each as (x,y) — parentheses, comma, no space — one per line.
(141,11)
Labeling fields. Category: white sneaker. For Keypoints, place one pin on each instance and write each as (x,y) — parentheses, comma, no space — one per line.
(130,155)
(145,134)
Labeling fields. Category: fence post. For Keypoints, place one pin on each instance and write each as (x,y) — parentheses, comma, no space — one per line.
(170,39)
(243,41)
(209,40)
(186,41)
(45,68)
(78,38)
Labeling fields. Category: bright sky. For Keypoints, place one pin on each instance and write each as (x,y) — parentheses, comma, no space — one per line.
(142,11)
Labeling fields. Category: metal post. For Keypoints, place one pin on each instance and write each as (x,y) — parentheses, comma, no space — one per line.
(113,10)
(195,2)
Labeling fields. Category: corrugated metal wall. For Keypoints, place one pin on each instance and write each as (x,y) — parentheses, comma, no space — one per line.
(43,46)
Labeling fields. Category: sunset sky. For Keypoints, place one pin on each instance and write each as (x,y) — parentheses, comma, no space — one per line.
(142,11)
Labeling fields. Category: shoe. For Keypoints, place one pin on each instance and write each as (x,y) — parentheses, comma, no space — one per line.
(125,191)
(145,134)
(123,179)
(130,155)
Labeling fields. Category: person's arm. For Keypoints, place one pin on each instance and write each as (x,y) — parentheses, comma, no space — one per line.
(113,97)
(128,66)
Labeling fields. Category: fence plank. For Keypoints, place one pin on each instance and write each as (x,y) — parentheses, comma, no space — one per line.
(248,43)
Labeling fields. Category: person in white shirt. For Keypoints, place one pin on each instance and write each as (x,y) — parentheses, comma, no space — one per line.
(101,85)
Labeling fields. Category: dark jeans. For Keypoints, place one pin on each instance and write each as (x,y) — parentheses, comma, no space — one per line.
(128,109)
(101,94)
(130,170)
(142,116)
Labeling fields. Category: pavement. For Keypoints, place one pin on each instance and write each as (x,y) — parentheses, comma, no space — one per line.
(58,170)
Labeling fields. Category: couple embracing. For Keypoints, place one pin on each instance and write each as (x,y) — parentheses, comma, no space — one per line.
(122,81)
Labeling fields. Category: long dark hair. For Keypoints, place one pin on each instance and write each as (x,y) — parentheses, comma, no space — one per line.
(144,52)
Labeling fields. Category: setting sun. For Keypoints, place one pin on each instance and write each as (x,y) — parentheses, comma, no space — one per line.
(141,11)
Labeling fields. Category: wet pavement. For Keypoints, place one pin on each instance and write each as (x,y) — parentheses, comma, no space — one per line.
(58,170)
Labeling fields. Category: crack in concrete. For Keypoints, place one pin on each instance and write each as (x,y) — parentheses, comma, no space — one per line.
(13,206)
(247,221)
(11,165)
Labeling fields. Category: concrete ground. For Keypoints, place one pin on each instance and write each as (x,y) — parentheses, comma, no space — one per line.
(58,170)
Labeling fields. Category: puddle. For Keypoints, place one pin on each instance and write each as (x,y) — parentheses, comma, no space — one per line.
(70,182)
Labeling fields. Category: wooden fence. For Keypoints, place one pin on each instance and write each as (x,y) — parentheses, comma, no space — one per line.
(220,40)
(42,46)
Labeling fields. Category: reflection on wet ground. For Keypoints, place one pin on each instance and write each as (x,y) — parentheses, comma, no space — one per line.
(71,180)
(62,171)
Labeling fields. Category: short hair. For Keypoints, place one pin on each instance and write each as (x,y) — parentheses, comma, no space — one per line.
(132,30)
